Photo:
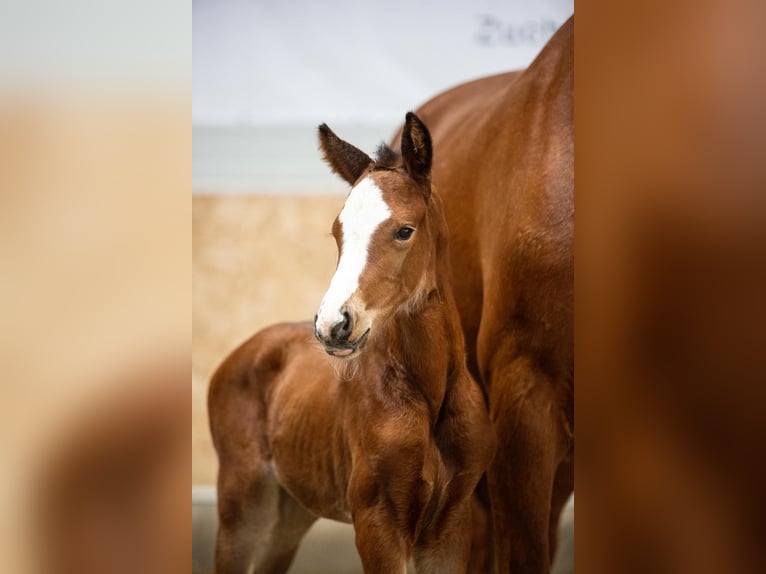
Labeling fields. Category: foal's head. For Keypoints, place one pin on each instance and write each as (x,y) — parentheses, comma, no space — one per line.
(386,239)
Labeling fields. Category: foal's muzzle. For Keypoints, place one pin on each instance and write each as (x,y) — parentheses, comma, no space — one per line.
(336,340)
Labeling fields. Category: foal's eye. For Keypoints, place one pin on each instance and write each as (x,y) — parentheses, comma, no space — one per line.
(404,233)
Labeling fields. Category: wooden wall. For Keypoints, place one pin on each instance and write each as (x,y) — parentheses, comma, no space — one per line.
(257,260)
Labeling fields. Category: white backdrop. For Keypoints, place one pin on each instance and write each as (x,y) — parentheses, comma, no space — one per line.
(267,72)
(293,61)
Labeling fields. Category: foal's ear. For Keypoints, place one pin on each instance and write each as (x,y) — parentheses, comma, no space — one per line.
(344,159)
(416,148)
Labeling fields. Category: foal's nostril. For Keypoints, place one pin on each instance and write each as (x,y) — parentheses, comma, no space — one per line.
(347,324)
(342,329)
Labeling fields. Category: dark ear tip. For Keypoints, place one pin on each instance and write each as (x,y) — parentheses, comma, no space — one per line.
(324,129)
(410,117)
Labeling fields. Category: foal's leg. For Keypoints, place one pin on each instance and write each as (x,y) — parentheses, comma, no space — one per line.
(446,546)
(521,476)
(381,544)
(248,505)
(286,535)
(260,527)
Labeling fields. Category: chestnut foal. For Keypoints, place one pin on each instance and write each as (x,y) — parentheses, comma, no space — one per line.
(392,433)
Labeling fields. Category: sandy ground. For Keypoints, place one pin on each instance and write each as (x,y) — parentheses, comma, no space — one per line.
(328,548)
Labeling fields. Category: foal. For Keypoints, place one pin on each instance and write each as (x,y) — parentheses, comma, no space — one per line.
(392,434)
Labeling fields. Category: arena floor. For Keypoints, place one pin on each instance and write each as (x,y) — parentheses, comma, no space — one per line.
(328,548)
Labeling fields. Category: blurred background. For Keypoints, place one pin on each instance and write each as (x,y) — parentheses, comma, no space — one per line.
(95,221)
(266,74)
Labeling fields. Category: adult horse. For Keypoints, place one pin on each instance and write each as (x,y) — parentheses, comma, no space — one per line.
(392,433)
(503,163)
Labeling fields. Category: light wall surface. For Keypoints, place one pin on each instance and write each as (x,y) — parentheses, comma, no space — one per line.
(257,260)
(267,72)
(294,62)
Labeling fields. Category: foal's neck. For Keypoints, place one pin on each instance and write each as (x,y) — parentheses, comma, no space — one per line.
(431,331)
(423,342)
(424,350)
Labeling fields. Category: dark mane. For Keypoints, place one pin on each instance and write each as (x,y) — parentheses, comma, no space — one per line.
(386,157)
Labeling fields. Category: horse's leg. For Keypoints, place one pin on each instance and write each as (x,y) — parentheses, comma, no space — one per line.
(521,476)
(446,546)
(481,529)
(563,486)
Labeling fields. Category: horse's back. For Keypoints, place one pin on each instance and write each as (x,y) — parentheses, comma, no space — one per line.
(504,167)
(503,164)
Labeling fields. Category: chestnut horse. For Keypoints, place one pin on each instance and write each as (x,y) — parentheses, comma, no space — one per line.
(391,432)
(503,149)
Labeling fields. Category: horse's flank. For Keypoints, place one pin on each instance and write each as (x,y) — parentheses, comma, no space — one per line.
(504,149)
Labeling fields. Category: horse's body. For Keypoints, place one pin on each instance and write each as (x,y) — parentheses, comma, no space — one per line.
(503,164)
(395,435)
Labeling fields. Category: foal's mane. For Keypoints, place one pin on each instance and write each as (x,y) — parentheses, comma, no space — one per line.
(387,158)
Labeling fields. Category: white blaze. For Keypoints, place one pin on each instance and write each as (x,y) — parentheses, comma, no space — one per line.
(363,212)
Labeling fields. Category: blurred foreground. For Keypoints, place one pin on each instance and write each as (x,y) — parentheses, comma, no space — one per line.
(670,179)
(95,299)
